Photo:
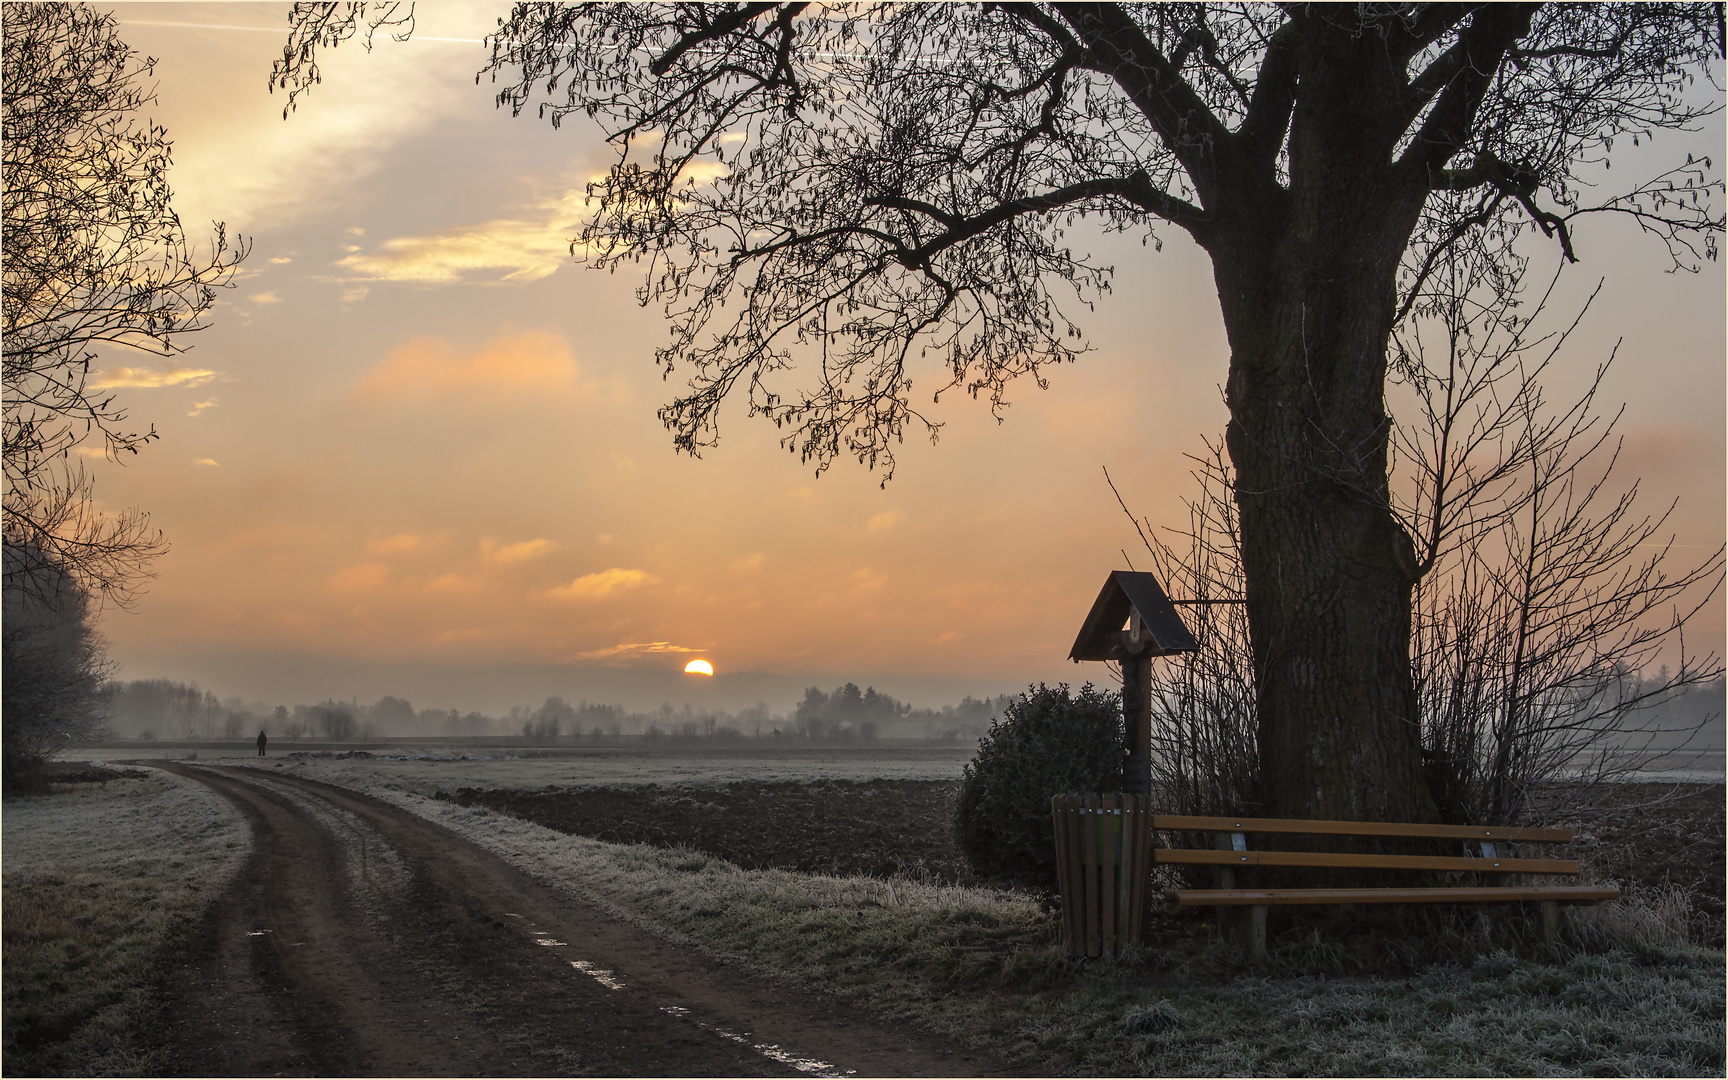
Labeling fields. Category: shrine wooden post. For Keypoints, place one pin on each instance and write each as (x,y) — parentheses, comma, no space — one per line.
(1131,622)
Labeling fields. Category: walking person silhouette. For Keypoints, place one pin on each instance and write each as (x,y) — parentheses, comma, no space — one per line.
(262,739)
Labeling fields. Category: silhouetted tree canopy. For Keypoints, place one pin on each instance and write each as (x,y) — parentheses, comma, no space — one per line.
(885,184)
(54,668)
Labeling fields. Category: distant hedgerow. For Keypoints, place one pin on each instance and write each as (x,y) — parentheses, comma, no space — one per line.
(1047,742)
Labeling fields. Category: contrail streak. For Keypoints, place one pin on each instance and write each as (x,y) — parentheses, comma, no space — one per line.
(274,30)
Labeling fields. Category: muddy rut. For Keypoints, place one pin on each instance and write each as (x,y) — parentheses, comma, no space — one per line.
(361,940)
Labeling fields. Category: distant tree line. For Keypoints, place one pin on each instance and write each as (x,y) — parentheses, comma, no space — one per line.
(846,713)
(850,713)
(150,709)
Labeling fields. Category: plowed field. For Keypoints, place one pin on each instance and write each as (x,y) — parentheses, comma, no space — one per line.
(877,827)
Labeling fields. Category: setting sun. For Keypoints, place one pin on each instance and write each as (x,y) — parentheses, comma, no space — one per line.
(698,667)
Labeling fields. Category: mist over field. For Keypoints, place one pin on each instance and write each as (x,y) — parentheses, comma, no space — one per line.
(1682,729)
(493,688)
(166,709)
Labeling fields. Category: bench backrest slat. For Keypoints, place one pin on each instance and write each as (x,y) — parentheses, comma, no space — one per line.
(1524,834)
(1488,894)
(1380,862)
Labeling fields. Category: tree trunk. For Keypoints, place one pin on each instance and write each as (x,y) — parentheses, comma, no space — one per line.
(1329,571)
(1306,277)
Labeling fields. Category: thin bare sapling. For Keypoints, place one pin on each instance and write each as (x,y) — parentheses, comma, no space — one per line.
(1204,758)
(1546,600)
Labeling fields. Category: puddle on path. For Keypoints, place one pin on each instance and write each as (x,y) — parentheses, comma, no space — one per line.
(598,974)
(771,1051)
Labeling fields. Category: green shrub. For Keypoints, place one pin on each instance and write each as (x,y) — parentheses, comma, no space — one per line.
(1048,742)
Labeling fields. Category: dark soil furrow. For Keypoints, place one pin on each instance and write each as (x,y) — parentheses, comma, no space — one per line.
(875,827)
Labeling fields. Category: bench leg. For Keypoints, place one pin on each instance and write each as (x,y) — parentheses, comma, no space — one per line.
(1229,916)
(1550,921)
(1256,929)
(1246,926)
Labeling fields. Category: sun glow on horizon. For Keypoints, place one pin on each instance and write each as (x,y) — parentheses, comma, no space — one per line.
(698,667)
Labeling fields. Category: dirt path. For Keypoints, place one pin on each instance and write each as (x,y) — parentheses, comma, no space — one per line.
(364,941)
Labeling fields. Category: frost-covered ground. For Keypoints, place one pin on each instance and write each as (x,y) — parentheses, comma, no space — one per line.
(979,964)
(699,764)
(165,826)
(99,882)
(424,769)
(982,965)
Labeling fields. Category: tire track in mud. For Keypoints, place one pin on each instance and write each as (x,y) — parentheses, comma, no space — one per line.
(363,940)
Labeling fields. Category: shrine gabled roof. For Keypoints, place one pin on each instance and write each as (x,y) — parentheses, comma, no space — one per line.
(1127,592)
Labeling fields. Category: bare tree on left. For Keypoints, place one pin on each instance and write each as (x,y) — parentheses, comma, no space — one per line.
(94,256)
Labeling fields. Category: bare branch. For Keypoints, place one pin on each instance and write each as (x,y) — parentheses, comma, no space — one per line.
(1117,47)
(317,24)
(1461,78)
(94,255)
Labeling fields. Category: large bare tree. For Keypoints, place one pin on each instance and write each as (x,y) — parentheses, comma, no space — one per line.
(847,211)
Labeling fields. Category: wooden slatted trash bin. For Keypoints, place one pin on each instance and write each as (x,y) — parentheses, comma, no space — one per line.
(1103,848)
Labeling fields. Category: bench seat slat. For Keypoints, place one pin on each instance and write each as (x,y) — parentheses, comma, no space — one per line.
(1383,862)
(1476,895)
(1522,834)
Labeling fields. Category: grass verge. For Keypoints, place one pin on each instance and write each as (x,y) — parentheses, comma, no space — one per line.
(983,966)
(99,884)
(427,768)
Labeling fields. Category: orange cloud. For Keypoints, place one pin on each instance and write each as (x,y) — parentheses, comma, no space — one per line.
(520,552)
(361,577)
(603,584)
(884,521)
(148,378)
(633,649)
(399,544)
(528,250)
(451,583)
(510,365)
(868,580)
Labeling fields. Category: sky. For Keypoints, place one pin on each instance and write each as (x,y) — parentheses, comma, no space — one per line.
(416,453)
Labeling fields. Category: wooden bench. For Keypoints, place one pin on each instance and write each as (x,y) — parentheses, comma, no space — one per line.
(1486,850)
